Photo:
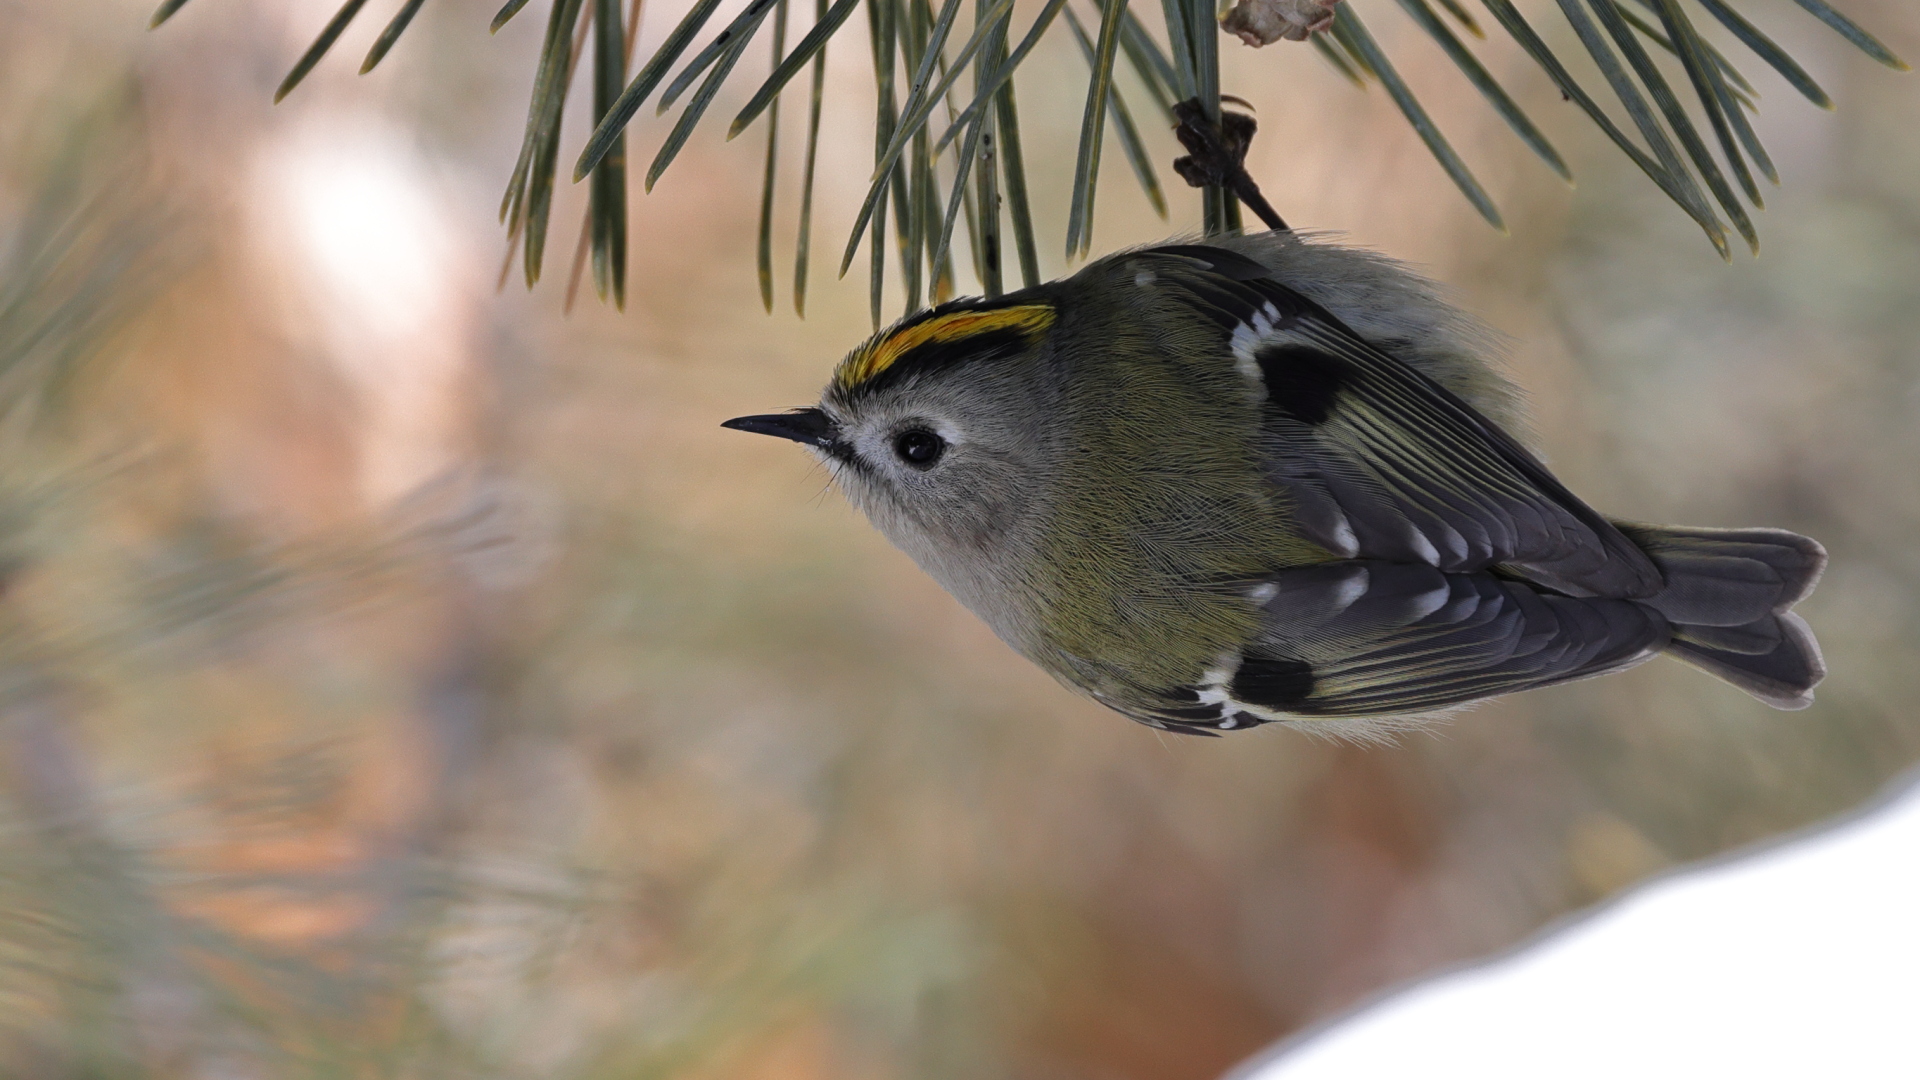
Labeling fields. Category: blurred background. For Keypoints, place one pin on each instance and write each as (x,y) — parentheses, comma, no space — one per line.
(403,677)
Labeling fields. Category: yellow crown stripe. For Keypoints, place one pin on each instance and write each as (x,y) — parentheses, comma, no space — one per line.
(878,355)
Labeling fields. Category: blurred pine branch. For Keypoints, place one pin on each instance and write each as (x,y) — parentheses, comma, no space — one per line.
(1667,94)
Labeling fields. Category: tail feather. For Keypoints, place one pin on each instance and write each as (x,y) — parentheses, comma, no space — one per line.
(1758,638)
(1783,677)
(1728,593)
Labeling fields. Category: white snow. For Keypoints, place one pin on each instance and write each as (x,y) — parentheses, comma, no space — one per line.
(1798,961)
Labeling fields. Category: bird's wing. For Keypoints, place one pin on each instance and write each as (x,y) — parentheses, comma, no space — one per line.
(1370,638)
(1380,462)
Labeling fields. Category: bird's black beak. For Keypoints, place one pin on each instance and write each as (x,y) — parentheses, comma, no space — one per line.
(809,426)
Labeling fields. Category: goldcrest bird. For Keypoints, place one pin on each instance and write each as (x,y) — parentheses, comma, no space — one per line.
(1267,479)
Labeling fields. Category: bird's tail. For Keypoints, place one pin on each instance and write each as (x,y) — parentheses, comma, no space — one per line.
(1727,596)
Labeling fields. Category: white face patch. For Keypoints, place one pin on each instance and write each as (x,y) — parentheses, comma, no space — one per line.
(873,439)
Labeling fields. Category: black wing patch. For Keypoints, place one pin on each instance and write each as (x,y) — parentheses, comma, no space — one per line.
(1276,683)
(1303,383)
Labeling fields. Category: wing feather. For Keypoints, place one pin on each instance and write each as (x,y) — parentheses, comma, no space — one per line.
(1465,569)
(1397,467)
(1368,638)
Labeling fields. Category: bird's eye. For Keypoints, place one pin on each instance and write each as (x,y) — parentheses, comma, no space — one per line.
(919,449)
